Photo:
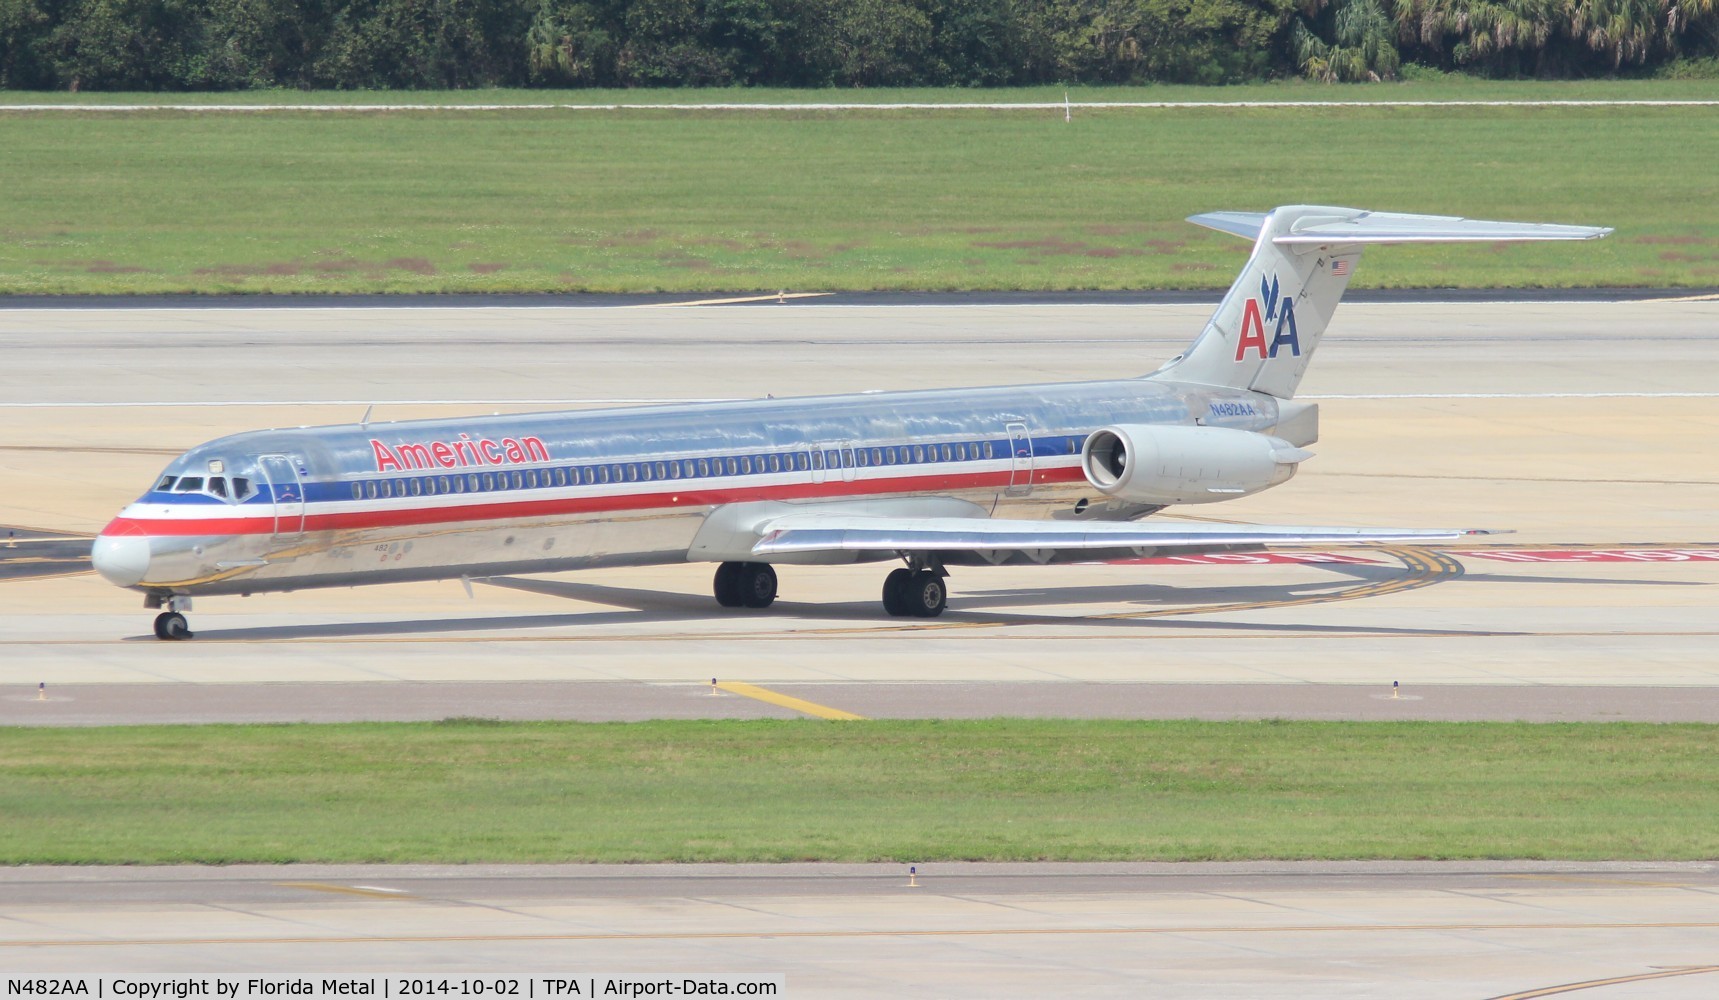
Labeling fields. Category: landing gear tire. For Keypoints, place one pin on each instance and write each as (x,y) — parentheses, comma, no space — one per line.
(728,585)
(757,585)
(927,596)
(909,594)
(895,592)
(171,625)
(745,585)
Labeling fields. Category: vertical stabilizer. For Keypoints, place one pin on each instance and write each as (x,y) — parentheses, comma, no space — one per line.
(1266,329)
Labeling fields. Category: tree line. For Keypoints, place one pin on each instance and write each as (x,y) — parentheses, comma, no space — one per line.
(322,44)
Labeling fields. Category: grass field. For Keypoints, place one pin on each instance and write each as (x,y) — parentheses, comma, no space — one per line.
(908,791)
(719,201)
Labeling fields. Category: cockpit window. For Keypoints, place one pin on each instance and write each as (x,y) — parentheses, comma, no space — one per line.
(218,486)
(190,484)
(166,483)
(242,489)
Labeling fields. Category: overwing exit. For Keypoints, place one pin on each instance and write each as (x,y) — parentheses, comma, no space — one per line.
(1031,474)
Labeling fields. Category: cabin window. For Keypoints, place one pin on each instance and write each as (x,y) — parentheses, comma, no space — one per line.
(488,482)
(746,465)
(417,487)
(987,449)
(632,472)
(560,477)
(674,470)
(862,459)
(645,471)
(919,453)
(166,483)
(370,489)
(818,460)
(703,468)
(889,456)
(357,491)
(775,463)
(429,486)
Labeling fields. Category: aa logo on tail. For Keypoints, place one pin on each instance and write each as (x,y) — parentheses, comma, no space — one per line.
(1270,306)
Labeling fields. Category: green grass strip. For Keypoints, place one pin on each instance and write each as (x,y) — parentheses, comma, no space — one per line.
(906,791)
(533,201)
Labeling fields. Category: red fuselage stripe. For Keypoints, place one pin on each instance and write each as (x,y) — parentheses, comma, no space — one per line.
(264,524)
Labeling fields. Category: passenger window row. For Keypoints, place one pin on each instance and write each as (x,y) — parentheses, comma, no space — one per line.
(239,488)
(822,460)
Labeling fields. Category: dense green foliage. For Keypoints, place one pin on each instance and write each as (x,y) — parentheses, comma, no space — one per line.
(238,44)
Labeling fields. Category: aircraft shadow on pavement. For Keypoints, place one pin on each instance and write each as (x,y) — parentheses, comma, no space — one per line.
(645,607)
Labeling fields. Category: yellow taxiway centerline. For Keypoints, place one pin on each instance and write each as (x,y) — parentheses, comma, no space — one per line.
(778,297)
(786,701)
(349,890)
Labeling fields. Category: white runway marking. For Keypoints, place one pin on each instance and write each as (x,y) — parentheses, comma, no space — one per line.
(667,400)
(621,401)
(1516,395)
(862,106)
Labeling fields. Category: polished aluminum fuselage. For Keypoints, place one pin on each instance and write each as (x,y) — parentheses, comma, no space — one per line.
(485,496)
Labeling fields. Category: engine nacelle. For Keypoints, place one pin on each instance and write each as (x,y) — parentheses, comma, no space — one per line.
(1165,464)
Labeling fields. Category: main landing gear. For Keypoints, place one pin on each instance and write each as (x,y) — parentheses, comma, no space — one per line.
(915,593)
(745,585)
(171,624)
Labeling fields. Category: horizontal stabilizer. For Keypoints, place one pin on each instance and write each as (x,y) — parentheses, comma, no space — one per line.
(1246,224)
(1392,227)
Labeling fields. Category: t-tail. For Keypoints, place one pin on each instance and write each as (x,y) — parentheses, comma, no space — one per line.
(1269,324)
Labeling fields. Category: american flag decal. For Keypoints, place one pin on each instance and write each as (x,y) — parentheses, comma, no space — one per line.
(1339,268)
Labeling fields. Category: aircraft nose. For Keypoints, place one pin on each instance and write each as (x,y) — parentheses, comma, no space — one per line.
(121,559)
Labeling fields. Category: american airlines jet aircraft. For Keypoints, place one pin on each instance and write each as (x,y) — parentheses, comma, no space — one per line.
(988,476)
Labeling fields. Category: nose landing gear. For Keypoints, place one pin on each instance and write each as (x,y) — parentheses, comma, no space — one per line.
(170,624)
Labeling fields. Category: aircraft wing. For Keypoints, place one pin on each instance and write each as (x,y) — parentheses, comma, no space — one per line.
(848,532)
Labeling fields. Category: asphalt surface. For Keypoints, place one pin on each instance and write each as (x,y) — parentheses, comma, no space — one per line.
(1385,929)
(625,701)
(742,297)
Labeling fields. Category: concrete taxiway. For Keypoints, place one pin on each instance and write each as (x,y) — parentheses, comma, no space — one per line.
(1396,929)
(1590,428)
